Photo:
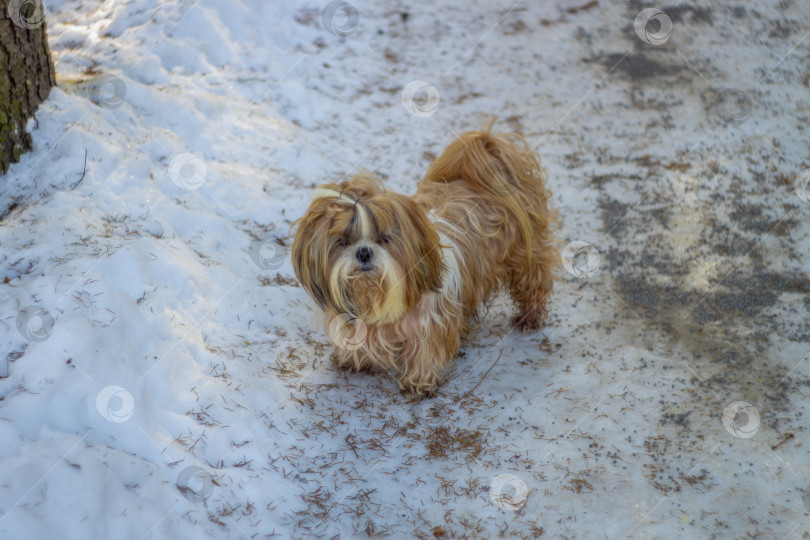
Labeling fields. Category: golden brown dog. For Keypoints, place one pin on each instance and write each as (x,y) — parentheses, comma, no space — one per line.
(409,273)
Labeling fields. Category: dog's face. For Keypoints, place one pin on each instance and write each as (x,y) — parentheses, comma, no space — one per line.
(367,252)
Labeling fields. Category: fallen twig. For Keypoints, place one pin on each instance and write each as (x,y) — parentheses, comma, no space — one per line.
(84,172)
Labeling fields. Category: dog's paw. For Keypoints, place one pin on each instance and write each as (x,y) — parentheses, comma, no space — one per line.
(527,322)
(419,389)
(348,362)
(341,360)
(418,394)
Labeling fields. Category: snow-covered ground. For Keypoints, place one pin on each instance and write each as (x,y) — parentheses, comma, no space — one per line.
(163,376)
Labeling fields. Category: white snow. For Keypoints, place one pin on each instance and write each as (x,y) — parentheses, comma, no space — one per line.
(183,388)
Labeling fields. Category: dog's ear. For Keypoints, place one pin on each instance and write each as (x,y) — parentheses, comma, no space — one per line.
(310,251)
(420,245)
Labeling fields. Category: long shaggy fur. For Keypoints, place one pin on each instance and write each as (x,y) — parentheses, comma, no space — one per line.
(415,270)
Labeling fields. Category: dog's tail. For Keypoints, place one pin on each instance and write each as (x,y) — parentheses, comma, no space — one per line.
(506,170)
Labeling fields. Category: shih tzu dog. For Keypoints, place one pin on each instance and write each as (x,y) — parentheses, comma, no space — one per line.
(409,273)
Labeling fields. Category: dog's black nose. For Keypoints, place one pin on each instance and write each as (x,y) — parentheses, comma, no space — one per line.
(363,255)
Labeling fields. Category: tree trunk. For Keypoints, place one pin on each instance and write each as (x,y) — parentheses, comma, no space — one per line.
(26,73)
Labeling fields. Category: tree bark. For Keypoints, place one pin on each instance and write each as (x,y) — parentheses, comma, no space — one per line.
(26,73)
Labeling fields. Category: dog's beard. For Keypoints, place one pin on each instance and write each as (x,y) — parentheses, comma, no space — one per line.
(377,295)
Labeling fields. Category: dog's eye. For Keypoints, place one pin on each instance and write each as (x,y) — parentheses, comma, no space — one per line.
(384,239)
(342,243)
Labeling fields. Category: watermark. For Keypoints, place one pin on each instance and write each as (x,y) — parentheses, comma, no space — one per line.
(802,186)
(267,254)
(115,404)
(28,14)
(508,491)
(347,331)
(734,106)
(581,259)
(741,419)
(665,340)
(420,99)
(188,170)
(653,26)
(195,483)
(340,18)
(35,323)
(108,91)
